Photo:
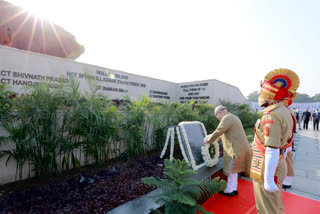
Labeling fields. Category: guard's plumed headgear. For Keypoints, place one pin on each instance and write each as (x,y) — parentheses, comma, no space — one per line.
(279,84)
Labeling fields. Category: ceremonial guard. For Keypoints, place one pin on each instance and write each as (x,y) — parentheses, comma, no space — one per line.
(273,135)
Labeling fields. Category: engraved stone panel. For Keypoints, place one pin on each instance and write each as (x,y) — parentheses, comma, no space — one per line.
(192,135)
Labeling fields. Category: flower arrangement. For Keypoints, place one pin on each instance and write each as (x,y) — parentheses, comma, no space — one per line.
(210,152)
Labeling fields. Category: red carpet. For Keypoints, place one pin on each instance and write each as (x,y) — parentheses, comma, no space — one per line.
(244,203)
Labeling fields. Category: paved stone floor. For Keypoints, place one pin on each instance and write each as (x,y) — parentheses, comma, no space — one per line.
(306,158)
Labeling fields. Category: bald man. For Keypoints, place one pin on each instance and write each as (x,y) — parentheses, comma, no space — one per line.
(236,149)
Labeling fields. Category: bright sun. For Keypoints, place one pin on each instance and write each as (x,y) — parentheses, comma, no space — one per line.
(40,8)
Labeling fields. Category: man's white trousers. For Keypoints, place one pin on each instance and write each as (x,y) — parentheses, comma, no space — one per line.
(232,182)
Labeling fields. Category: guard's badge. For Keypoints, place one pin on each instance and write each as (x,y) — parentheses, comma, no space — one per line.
(266,130)
(256,163)
(266,121)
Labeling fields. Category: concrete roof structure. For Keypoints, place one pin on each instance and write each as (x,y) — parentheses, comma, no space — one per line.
(19,29)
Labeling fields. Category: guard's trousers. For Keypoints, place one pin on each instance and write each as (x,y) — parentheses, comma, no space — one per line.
(268,202)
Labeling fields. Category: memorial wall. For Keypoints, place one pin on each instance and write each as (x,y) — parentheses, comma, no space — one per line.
(21,68)
(211,91)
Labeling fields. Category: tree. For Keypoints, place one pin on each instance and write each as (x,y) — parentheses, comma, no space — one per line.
(253,96)
(303,98)
(316,98)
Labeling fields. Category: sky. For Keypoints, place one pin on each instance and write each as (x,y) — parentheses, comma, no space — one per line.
(234,41)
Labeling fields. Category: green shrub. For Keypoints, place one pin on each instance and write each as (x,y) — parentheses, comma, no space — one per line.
(136,121)
(50,123)
(250,134)
(6,100)
(185,112)
(162,119)
(207,116)
(179,193)
(34,128)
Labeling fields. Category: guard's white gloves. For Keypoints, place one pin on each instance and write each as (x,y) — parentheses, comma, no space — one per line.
(271,163)
(206,138)
(287,151)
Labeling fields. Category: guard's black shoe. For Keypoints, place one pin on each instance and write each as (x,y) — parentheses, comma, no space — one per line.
(235,192)
(286,186)
(230,194)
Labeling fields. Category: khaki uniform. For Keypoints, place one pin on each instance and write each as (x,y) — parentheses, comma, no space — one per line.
(275,130)
(289,162)
(235,144)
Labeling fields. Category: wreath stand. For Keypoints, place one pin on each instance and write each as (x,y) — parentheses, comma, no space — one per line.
(170,136)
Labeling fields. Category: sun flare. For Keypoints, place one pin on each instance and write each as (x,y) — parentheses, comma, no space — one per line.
(40,9)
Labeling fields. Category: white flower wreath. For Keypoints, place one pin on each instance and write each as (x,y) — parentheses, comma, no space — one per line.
(210,161)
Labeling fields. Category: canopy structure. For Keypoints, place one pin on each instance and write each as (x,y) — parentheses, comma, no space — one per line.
(19,29)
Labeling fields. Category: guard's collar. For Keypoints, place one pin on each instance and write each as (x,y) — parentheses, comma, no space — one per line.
(273,107)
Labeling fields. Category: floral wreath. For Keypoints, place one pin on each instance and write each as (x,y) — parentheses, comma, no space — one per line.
(210,152)
(209,160)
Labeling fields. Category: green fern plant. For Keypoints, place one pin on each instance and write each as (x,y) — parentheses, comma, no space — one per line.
(180,193)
